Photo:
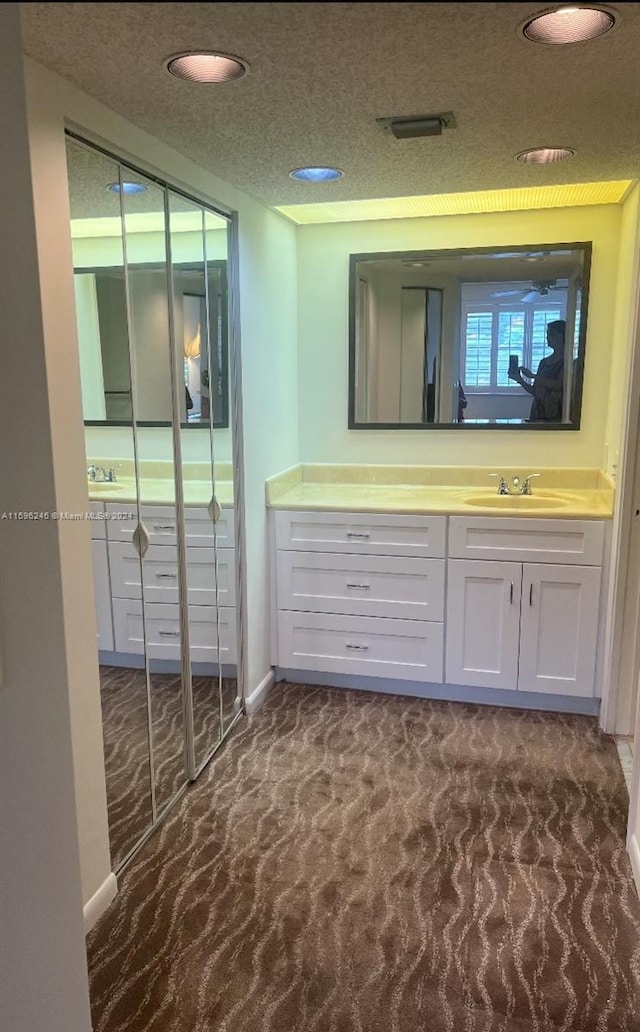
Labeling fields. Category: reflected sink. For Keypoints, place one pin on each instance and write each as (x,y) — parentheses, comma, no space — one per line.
(495,501)
(104,486)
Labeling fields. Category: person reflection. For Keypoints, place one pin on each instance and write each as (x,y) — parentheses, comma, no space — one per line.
(547,382)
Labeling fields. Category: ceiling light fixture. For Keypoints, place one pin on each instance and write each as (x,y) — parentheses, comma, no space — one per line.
(573,24)
(128,188)
(316,174)
(544,155)
(206,66)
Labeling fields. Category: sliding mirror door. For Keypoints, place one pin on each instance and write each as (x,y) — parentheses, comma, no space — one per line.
(152,308)
(198,267)
(113,489)
(159,542)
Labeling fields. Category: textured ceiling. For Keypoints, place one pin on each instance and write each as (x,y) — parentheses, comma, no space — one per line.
(322,73)
(90,175)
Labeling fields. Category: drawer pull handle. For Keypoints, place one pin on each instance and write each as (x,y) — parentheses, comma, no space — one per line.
(140,539)
(355,534)
(511,594)
(163,526)
(166,576)
(169,634)
(360,587)
(531,594)
(358,648)
(214,509)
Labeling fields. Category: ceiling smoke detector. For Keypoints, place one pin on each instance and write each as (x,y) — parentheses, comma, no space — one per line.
(417,125)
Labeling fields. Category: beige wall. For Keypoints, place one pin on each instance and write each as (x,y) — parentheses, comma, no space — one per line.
(43,983)
(623,329)
(323,273)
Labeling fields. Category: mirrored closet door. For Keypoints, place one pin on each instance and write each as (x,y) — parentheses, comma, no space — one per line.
(152,311)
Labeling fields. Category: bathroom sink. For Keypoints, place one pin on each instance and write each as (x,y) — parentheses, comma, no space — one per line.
(495,501)
(104,486)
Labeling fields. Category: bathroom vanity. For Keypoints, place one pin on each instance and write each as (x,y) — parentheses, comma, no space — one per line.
(435,588)
(119,574)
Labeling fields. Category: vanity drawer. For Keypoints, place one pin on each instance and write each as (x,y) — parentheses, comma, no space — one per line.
(161,574)
(579,542)
(408,650)
(163,631)
(98,522)
(361,585)
(160,521)
(104,625)
(361,533)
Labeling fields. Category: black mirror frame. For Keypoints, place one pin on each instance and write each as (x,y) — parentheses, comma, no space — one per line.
(584,246)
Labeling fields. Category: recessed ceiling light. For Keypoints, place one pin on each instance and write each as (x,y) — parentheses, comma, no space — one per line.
(568,24)
(207,66)
(128,188)
(317,174)
(544,155)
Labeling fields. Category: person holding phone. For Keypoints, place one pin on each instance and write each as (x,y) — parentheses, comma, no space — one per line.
(546,384)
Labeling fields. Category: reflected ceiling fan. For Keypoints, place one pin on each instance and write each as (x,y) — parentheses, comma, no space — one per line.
(538,288)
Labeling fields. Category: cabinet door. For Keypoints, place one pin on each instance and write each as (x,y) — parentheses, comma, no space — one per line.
(559,629)
(483,618)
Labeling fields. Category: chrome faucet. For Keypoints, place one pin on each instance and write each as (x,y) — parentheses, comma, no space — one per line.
(514,486)
(100,475)
(526,486)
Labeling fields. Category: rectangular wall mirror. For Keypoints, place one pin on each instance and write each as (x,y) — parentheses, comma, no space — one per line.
(478,338)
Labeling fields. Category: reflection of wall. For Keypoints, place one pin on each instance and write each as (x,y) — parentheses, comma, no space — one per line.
(114,442)
(323,330)
(93,401)
(388,368)
(150,340)
(90,252)
(114,343)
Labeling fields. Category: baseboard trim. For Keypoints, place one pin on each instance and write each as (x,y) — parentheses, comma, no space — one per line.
(448,692)
(634,855)
(99,902)
(254,701)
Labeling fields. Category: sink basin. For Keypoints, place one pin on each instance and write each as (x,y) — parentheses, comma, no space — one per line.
(495,501)
(104,486)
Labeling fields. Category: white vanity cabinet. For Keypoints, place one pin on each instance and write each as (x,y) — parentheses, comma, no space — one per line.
(210,583)
(483,602)
(360,594)
(524,626)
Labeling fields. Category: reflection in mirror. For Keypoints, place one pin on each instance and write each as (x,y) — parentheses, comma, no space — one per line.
(149,329)
(99,283)
(123,679)
(484,338)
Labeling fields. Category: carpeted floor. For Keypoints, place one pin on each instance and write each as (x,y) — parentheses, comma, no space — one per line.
(125,728)
(368,863)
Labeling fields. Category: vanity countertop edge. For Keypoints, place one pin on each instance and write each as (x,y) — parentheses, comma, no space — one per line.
(568,493)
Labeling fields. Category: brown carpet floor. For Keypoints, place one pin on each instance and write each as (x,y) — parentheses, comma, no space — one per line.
(125,730)
(367,863)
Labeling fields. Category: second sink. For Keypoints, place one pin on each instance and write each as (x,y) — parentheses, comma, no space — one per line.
(494,501)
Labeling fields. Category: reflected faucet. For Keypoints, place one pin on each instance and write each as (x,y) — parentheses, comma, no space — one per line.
(515,486)
(100,475)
